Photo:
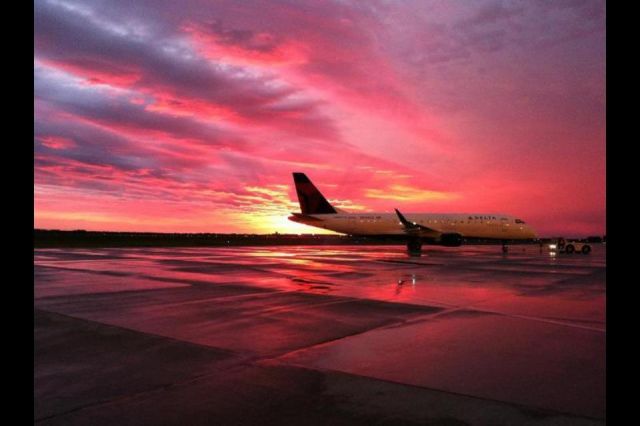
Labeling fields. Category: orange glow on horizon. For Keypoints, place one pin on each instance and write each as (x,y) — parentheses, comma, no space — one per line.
(409,194)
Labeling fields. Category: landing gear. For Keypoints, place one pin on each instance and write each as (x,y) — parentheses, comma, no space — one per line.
(414,247)
(505,248)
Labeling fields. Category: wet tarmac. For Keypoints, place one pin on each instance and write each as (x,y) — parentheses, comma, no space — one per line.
(319,335)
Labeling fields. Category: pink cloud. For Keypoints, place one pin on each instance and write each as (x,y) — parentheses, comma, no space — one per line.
(56,142)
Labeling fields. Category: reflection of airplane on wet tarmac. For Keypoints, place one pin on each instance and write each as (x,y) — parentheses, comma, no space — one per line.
(433,228)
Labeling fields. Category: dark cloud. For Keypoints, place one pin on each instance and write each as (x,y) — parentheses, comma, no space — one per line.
(92,146)
(163,65)
(117,110)
(491,13)
(246,39)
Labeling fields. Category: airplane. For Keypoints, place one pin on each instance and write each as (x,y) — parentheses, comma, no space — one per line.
(450,230)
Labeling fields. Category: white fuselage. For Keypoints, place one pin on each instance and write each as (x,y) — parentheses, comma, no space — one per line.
(468,225)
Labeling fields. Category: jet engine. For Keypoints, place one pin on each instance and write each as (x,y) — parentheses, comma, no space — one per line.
(451,240)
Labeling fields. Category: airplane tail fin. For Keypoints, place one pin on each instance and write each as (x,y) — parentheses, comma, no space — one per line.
(311,200)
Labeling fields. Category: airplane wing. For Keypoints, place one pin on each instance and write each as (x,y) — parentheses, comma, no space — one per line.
(412,227)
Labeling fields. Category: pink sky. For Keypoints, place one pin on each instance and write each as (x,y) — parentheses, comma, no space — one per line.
(190,116)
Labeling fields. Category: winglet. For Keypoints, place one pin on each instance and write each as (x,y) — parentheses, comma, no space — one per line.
(412,226)
(403,220)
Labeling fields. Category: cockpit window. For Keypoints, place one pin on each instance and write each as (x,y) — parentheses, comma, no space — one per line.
(519,221)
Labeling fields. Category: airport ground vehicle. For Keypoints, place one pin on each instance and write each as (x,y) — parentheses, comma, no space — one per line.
(570,247)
